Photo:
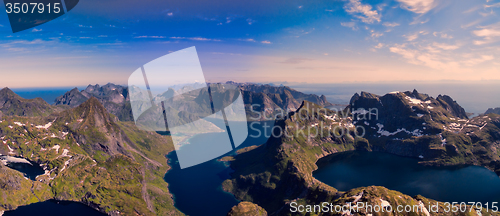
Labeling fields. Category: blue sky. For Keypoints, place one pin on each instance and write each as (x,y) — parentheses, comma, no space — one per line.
(260,41)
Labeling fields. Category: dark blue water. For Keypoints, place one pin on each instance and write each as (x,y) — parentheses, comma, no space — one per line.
(198,190)
(47,94)
(349,170)
(30,171)
(54,208)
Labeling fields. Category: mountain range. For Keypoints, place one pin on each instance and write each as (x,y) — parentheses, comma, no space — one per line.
(491,110)
(90,157)
(266,98)
(91,151)
(435,130)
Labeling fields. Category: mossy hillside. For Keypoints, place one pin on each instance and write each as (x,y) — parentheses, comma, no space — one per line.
(247,209)
(103,178)
(14,105)
(280,171)
(16,190)
(153,147)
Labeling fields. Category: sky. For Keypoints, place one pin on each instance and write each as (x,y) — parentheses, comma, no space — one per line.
(347,41)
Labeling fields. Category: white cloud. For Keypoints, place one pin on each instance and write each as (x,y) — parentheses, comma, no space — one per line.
(195,38)
(493,5)
(417,20)
(203,39)
(266,42)
(379,45)
(388,24)
(251,21)
(375,34)
(144,36)
(170,14)
(445,46)
(411,37)
(489,34)
(442,35)
(36,30)
(406,53)
(418,6)
(361,11)
(481,59)
(247,40)
(351,25)
(440,56)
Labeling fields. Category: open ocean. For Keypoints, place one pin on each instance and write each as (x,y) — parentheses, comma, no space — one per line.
(47,94)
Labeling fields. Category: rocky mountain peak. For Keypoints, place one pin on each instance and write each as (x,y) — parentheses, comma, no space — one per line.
(452,106)
(93,112)
(13,104)
(404,114)
(94,128)
(7,92)
(72,98)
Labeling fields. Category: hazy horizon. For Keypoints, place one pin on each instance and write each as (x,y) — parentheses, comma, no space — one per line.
(475,96)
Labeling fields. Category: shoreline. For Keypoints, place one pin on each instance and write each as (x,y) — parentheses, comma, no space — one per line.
(10,159)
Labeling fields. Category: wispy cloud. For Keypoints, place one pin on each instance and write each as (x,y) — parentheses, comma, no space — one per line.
(251,21)
(375,34)
(489,34)
(351,25)
(442,35)
(411,37)
(362,11)
(195,38)
(266,42)
(248,40)
(155,37)
(492,5)
(84,26)
(481,59)
(36,30)
(390,24)
(445,46)
(418,6)
(24,45)
(440,56)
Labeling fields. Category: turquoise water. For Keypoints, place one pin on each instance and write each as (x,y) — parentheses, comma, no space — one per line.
(349,170)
